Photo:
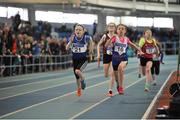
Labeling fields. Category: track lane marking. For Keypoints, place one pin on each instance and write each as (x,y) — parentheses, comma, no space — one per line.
(56,98)
(52,86)
(92,106)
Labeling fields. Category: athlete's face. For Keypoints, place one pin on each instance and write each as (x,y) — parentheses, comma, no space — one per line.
(111,27)
(121,30)
(148,34)
(79,31)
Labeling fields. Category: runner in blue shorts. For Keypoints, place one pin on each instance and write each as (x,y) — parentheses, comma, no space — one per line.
(119,55)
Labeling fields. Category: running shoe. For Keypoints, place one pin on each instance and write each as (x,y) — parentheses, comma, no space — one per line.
(147,86)
(154,82)
(120,90)
(83,84)
(162,62)
(78,92)
(110,93)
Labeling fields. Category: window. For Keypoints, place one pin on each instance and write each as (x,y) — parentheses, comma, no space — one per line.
(86,18)
(113,19)
(163,22)
(69,18)
(49,16)
(12,11)
(59,17)
(145,22)
(3,12)
(129,21)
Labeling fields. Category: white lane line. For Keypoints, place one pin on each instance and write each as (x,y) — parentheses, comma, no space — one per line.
(50,100)
(42,81)
(53,99)
(146,114)
(14,86)
(49,87)
(36,76)
(37,90)
(48,74)
(29,77)
(89,108)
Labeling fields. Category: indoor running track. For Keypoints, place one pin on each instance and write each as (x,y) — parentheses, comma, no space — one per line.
(52,95)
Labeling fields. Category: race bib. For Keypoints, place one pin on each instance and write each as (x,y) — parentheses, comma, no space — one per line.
(109,51)
(150,50)
(79,48)
(120,50)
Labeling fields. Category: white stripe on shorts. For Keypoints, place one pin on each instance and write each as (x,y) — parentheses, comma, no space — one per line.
(84,65)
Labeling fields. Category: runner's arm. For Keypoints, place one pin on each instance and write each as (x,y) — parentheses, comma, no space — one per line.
(70,42)
(99,47)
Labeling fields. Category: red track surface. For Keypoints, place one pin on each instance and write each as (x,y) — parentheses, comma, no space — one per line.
(165,97)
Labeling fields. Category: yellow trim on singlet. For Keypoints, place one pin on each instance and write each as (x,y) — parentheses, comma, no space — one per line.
(142,41)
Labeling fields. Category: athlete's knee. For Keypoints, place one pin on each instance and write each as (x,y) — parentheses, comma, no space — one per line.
(121,69)
(77,71)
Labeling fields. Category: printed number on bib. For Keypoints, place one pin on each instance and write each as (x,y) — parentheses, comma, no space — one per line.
(120,50)
(109,51)
(77,49)
(150,50)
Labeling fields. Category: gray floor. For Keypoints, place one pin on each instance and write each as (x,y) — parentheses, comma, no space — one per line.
(52,95)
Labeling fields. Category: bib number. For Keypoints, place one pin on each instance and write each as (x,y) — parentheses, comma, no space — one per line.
(150,50)
(109,51)
(120,50)
(77,49)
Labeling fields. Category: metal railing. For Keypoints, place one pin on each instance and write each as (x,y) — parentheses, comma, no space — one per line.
(170,48)
(15,65)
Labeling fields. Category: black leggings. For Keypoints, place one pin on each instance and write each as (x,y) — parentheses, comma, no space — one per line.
(155,68)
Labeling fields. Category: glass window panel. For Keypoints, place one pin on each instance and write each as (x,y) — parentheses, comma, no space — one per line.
(59,17)
(145,22)
(86,18)
(12,11)
(49,16)
(113,19)
(163,22)
(70,18)
(3,12)
(129,21)
(40,15)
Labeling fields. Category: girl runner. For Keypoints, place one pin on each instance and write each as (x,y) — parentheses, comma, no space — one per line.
(149,47)
(119,55)
(107,54)
(79,43)
(155,69)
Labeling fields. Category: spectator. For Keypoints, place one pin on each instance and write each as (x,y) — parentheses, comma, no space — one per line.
(94,27)
(16,21)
